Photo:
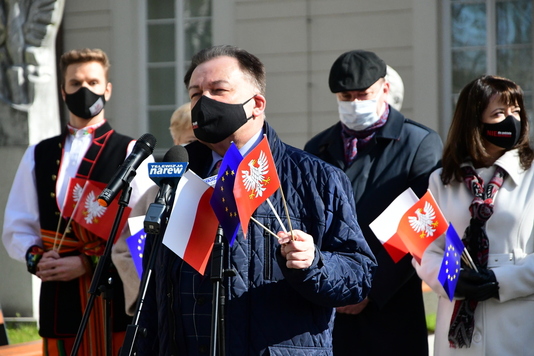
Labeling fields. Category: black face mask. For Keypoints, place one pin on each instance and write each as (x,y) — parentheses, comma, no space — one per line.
(84,103)
(213,121)
(504,134)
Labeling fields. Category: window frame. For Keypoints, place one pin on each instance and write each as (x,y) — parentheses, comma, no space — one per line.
(450,98)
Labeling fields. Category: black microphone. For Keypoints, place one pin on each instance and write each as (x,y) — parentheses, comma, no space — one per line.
(167,175)
(142,149)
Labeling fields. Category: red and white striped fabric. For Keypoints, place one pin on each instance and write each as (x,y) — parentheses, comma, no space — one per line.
(385,226)
(192,226)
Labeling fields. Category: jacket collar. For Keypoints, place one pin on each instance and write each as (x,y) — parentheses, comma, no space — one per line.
(201,159)
(393,127)
(509,161)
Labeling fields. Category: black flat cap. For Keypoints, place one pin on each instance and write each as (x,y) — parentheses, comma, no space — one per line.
(356,70)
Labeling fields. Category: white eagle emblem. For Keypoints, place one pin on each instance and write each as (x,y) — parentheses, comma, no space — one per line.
(77,192)
(424,221)
(254,179)
(93,209)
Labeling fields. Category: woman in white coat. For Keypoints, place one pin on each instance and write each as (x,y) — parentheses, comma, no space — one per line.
(486,190)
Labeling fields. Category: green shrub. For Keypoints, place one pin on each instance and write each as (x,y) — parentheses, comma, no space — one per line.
(19,332)
(431,323)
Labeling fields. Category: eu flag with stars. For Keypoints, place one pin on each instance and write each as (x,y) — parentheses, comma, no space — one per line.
(450,266)
(136,244)
(223,200)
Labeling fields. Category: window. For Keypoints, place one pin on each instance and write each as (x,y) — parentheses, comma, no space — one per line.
(487,37)
(175,30)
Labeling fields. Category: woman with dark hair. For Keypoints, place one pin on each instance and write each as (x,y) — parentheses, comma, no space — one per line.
(485,190)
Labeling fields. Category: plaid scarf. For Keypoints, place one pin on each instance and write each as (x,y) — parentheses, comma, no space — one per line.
(477,244)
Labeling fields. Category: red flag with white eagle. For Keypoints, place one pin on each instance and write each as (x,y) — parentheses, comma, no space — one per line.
(73,196)
(409,225)
(421,225)
(256,181)
(81,202)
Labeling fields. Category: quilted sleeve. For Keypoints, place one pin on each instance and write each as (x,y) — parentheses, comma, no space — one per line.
(342,271)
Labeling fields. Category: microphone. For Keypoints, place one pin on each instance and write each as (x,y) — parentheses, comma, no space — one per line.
(166,175)
(142,149)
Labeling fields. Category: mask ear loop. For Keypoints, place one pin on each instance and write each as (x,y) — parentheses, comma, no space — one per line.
(251,116)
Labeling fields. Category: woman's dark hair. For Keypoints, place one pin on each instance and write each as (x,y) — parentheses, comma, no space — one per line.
(465,140)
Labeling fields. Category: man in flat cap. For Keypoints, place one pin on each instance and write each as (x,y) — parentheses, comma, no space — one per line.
(383,153)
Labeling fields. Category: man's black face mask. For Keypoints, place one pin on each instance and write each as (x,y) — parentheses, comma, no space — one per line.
(84,103)
(213,121)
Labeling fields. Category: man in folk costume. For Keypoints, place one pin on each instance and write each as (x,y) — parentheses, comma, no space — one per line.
(64,254)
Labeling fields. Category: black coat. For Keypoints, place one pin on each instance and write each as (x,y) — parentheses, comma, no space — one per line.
(402,154)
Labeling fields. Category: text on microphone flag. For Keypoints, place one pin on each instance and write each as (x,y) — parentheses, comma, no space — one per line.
(166,169)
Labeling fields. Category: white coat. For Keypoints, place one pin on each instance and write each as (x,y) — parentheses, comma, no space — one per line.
(503,326)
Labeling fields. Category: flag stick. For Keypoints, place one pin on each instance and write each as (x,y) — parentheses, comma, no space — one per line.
(276,214)
(63,237)
(74,211)
(470,259)
(263,226)
(287,213)
(57,227)
(466,260)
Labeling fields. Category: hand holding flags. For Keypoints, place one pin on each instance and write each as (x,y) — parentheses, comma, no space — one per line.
(410,225)
(242,185)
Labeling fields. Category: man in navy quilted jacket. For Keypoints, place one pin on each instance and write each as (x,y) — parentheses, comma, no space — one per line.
(283,297)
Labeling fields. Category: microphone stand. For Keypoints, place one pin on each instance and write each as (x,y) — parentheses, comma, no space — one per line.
(102,282)
(157,217)
(218,337)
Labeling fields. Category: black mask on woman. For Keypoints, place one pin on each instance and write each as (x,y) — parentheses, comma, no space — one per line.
(504,134)
(213,121)
(84,103)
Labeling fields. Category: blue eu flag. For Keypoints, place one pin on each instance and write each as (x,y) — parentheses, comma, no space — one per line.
(223,201)
(136,244)
(450,266)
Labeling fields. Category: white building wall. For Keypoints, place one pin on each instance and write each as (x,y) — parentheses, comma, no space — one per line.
(298,40)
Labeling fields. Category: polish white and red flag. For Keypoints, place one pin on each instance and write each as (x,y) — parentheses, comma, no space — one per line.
(409,225)
(192,226)
(385,226)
